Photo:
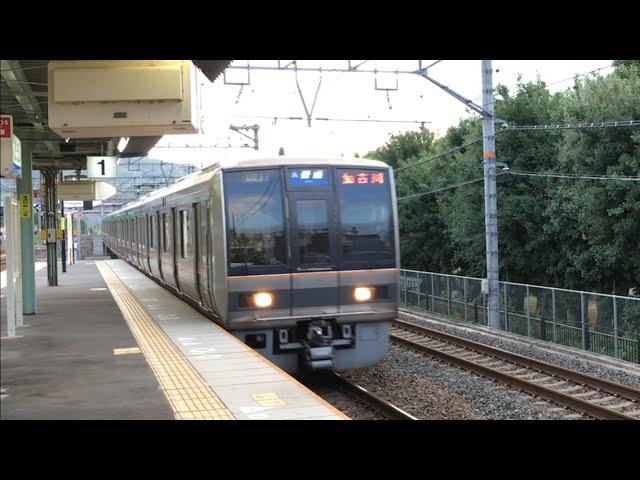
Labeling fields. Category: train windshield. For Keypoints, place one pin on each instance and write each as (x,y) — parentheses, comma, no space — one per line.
(338,219)
(366,219)
(256,222)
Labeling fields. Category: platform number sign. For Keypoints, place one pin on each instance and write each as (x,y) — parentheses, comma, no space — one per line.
(102,167)
(6,126)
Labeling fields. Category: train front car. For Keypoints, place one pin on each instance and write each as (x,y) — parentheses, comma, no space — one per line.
(312,260)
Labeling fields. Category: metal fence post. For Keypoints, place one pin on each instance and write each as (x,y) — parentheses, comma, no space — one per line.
(582,319)
(528,314)
(404,289)
(615,327)
(553,312)
(449,296)
(433,305)
(464,286)
(506,309)
(627,348)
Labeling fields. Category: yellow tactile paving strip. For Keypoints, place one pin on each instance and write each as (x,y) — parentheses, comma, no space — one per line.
(189,396)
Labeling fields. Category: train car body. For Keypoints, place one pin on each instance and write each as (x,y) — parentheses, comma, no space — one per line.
(299,258)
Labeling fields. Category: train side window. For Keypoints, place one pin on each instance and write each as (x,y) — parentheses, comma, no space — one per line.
(143,231)
(184,236)
(151,232)
(166,238)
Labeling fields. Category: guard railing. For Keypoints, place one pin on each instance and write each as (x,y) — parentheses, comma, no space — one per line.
(597,322)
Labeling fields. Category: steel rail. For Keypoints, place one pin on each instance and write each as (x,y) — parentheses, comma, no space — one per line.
(371,399)
(579,404)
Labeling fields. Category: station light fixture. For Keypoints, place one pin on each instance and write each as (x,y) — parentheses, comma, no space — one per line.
(122,144)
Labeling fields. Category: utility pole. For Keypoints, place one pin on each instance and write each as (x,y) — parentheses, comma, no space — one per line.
(490,193)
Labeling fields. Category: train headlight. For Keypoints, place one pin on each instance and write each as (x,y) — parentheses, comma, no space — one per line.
(362,294)
(262,299)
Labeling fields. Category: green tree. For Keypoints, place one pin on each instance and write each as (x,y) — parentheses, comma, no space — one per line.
(579,234)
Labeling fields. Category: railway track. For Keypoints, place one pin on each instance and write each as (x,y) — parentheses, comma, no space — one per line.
(386,408)
(584,393)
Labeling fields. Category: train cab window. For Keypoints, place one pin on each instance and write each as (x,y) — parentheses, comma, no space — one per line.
(366,216)
(184,234)
(255,222)
(313,233)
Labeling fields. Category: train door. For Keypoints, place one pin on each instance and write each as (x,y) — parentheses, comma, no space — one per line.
(314,252)
(186,259)
(132,239)
(168,273)
(210,267)
(129,233)
(194,248)
(158,240)
(142,242)
(204,266)
(174,243)
(147,243)
(136,241)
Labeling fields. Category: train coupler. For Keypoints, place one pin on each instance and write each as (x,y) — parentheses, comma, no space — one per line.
(318,349)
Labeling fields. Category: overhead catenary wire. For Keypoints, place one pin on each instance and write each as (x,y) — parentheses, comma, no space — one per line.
(575,176)
(587,125)
(614,124)
(533,174)
(449,187)
(560,81)
(442,154)
(327,119)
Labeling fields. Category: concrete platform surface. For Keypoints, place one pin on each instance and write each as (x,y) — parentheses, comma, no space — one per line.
(62,364)
(247,384)
(110,343)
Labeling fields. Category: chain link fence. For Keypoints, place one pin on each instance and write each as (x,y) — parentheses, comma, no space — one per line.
(597,322)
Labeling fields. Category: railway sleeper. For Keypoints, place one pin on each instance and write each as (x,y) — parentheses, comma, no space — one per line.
(553,385)
(529,376)
(586,395)
(570,389)
(622,405)
(603,399)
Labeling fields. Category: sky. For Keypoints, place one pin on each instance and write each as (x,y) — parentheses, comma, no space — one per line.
(346,96)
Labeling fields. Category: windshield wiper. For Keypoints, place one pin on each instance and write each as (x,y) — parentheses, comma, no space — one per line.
(240,249)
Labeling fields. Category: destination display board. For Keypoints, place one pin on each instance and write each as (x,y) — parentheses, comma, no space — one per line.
(361,178)
(301,177)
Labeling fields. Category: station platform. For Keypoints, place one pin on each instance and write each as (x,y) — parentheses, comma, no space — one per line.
(110,343)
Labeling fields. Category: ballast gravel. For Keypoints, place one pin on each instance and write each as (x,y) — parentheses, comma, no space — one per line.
(432,390)
(610,369)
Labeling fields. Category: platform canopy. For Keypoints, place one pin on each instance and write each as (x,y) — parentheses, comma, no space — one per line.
(23,90)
